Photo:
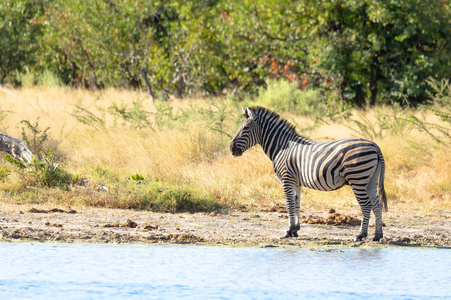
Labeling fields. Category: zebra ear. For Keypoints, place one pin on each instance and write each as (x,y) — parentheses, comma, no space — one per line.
(245,114)
(250,113)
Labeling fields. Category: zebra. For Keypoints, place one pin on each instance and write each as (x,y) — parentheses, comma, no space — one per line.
(324,166)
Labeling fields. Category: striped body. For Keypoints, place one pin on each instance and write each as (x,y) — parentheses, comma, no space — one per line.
(323,166)
(327,166)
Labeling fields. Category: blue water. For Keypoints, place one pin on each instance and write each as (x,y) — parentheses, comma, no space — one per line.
(94,271)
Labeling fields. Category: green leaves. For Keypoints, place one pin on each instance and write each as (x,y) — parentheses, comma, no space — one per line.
(34,136)
(20,32)
(365,51)
(46,172)
(14,161)
(137,178)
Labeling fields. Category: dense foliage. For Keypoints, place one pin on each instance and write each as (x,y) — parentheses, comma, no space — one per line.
(364,51)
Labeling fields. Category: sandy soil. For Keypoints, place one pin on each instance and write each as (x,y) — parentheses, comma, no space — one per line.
(253,229)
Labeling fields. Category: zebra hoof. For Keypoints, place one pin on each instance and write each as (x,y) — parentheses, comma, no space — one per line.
(290,234)
(359,237)
(377,237)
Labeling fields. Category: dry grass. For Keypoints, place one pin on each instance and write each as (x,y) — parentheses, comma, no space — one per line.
(197,159)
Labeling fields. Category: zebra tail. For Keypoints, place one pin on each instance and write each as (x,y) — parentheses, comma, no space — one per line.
(380,187)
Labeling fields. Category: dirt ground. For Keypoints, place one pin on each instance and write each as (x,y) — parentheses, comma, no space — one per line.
(39,223)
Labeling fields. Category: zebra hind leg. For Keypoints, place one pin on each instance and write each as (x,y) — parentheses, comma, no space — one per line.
(363,233)
(365,206)
(377,210)
(292,232)
(376,204)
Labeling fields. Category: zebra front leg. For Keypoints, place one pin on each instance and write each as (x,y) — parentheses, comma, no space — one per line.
(293,213)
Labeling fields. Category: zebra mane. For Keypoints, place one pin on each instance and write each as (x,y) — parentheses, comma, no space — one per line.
(264,113)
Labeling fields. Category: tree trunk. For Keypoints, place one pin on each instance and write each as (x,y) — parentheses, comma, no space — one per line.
(374,78)
(165,91)
(181,87)
(359,98)
(148,84)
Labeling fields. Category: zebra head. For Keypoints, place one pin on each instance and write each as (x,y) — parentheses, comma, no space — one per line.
(248,134)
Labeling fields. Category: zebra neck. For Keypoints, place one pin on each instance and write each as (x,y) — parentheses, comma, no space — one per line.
(274,139)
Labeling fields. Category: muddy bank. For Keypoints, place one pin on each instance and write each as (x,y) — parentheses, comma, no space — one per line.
(254,229)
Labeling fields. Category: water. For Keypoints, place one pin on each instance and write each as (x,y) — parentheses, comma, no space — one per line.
(93,271)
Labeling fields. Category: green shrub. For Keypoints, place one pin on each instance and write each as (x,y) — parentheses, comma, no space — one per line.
(175,198)
(26,79)
(281,95)
(165,117)
(393,120)
(136,117)
(84,116)
(4,172)
(48,79)
(34,136)
(3,115)
(440,99)
(46,172)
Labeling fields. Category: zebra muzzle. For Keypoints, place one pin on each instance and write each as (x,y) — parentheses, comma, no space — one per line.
(235,150)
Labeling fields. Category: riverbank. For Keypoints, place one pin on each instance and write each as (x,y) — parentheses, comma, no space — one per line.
(43,223)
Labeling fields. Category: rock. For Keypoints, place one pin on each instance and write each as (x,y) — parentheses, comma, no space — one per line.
(151,227)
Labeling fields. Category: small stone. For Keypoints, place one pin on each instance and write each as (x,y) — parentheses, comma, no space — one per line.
(130,224)
(150,227)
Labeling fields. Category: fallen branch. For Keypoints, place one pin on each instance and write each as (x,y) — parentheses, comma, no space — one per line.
(17,149)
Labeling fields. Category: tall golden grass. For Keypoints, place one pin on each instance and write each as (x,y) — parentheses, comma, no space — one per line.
(192,157)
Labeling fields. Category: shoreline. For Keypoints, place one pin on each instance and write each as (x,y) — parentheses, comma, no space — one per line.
(258,229)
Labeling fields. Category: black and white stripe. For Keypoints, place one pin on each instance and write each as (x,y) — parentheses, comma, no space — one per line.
(323,166)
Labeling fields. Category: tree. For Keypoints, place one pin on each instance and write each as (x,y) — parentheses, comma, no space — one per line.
(368,51)
(20,32)
(119,43)
(264,39)
(384,49)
